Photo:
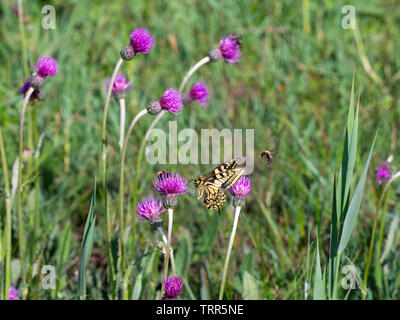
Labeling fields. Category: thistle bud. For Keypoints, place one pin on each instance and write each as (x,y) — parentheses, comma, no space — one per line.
(36,81)
(154,107)
(127,53)
(215,55)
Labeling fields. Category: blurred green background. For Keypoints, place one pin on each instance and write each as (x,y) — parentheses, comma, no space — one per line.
(292,86)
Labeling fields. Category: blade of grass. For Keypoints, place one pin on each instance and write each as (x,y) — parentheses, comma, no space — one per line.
(354,207)
(318,293)
(87,245)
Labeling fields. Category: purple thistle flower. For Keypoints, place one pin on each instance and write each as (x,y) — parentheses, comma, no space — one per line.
(383,172)
(240,190)
(141,41)
(120,86)
(197,92)
(173,286)
(46,66)
(36,94)
(171,101)
(229,49)
(13,293)
(150,209)
(170,185)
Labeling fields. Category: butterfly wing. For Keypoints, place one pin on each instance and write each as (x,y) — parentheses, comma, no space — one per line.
(216,200)
(220,171)
(223,176)
(200,192)
(232,180)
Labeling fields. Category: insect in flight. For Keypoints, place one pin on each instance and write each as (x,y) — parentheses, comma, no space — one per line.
(211,184)
(268,156)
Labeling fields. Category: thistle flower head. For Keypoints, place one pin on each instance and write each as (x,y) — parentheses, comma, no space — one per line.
(36,94)
(240,190)
(171,101)
(141,41)
(46,66)
(120,86)
(197,92)
(13,293)
(383,172)
(150,209)
(170,185)
(173,286)
(229,49)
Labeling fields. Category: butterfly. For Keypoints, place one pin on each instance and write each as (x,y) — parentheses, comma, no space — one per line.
(268,156)
(211,184)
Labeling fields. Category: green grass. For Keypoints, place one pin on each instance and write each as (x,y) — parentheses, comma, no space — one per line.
(292,86)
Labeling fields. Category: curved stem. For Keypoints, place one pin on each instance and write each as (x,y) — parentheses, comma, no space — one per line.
(191,71)
(116,69)
(122,123)
(371,243)
(228,254)
(19,189)
(121,185)
(104,174)
(168,249)
(185,79)
(8,218)
(171,254)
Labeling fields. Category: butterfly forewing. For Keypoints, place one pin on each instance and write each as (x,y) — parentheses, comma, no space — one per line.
(232,179)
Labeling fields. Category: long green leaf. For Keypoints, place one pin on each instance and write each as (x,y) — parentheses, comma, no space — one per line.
(318,293)
(87,245)
(354,207)
(352,158)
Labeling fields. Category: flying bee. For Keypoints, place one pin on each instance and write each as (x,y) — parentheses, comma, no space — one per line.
(268,156)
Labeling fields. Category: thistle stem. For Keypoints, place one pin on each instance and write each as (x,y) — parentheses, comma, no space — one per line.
(185,79)
(19,190)
(228,254)
(171,254)
(168,249)
(104,172)
(116,69)
(121,185)
(8,218)
(192,71)
(122,123)
(36,166)
(371,243)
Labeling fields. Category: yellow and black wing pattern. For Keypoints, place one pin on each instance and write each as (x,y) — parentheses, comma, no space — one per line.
(211,184)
